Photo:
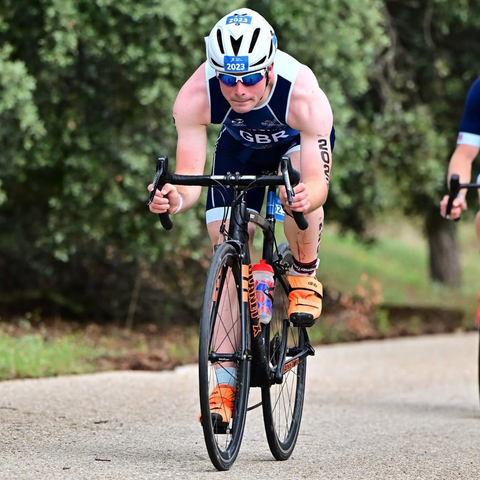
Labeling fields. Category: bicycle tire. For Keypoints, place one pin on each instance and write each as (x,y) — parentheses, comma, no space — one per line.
(223,284)
(283,403)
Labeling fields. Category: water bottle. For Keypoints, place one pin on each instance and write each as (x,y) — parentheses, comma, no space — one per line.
(263,282)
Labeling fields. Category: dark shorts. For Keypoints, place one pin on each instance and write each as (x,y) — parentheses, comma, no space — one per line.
(231,156)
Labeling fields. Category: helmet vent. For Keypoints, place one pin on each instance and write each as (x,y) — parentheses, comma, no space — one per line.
(271,50)
(259,62)
(236,44)
(220,42)
(255,35)
(216,63)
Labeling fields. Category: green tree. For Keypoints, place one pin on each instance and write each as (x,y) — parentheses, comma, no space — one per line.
(86,92)
(429,71)
(396,74)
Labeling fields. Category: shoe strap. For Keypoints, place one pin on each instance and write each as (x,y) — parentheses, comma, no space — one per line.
(305,283)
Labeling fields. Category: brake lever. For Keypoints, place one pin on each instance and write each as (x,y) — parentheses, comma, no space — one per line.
(162,168)
(156,181)
(288,186)
(454,191)
(290,174)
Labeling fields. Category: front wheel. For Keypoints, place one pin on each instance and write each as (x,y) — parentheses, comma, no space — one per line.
(223,359)
(283,403)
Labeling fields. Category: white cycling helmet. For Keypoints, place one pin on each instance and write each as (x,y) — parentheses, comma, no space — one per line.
(242,41)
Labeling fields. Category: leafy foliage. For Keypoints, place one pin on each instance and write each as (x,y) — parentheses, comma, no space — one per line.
(86,92)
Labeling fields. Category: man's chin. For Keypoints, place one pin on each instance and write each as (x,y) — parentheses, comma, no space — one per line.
(241,107)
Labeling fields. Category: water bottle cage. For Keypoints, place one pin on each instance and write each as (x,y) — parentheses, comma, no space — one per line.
(269,293)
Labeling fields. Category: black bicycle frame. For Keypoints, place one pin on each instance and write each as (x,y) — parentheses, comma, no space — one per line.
(261,374)
(239,237)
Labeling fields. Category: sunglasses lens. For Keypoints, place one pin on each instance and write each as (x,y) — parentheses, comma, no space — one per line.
(229,80)
(252,79)
(247,80)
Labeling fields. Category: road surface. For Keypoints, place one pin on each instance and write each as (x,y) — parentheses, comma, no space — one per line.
(397,409)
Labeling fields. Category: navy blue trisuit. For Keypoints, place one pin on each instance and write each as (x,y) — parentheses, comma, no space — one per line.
(253,142)
(469,133)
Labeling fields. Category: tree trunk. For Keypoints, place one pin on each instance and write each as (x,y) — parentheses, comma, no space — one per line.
(443,247)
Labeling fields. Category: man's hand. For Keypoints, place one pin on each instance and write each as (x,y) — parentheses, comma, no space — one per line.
(301,203)
(458,206)
(166,200)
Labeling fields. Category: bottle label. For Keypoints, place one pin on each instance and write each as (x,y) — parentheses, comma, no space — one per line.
(264,298)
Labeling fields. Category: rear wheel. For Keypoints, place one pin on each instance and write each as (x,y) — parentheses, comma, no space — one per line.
(283,403)
(224,342)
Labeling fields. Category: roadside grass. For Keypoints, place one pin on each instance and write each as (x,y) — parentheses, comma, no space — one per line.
(31,349)
(32,356)
(398,262)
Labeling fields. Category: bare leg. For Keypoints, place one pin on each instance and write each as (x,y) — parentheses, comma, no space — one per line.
(227,326)
(304,244)
(306,292)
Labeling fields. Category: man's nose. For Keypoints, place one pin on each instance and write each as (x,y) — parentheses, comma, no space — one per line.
(240,88)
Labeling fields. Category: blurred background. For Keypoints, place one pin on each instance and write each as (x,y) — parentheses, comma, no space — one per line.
(86,95)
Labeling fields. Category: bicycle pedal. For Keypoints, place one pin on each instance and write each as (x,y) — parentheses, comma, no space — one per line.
(219,427)
(302,320)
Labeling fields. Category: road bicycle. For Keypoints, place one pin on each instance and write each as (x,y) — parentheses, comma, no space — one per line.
(455,187)
(273,356)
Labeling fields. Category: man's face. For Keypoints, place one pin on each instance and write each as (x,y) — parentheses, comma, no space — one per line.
(243,98)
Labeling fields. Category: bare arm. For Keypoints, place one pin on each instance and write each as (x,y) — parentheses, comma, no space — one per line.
(311,114)
(461,164)
(191,115)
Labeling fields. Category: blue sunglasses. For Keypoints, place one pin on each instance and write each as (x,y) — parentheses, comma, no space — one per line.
(249,79)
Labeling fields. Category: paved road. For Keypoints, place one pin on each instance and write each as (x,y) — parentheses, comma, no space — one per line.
(397,409)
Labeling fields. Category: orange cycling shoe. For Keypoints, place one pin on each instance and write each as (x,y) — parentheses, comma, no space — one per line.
(222,400)
(305,297)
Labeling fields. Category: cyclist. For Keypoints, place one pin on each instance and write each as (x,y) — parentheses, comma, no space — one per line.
(268,105)
(468,145)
